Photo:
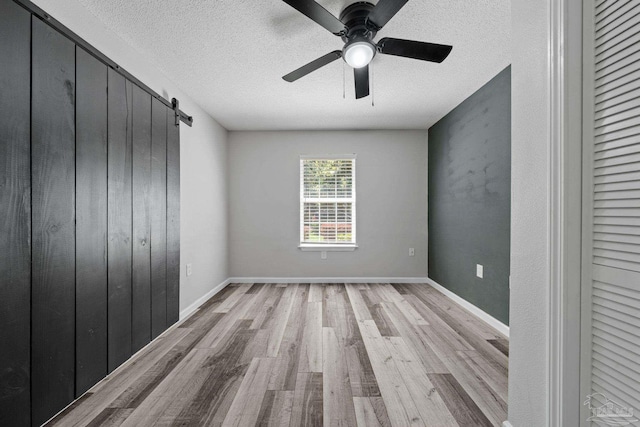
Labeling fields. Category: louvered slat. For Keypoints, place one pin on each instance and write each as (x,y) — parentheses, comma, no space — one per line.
(621,238)
(616,169)
(612,145)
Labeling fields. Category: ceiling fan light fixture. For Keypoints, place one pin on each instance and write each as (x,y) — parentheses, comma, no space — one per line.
(358,53)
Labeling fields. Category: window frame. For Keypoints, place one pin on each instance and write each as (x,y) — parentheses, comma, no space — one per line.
(332,246)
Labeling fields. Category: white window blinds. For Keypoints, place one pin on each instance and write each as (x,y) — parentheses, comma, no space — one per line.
(327,200)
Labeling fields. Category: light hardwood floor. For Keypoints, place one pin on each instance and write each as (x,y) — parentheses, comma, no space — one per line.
(311,355)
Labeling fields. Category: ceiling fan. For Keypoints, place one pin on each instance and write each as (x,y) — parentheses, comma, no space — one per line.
(357,26)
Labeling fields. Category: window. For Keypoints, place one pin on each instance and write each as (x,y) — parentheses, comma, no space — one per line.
(327,202)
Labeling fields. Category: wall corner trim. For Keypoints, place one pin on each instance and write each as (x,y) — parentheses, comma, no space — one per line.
(484,316)
(327,279)
(197,303)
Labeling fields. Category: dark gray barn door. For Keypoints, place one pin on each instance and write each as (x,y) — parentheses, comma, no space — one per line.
(89,216)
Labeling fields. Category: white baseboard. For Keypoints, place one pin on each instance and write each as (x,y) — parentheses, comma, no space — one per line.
(327,279)
(484,316)
(197,303)
(506,424)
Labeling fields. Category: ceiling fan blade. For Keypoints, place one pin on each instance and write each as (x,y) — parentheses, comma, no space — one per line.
(317,13)
(361,77)
(384,11)
(413,49)
(312,66)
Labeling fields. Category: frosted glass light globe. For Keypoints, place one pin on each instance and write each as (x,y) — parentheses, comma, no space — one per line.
(358,54)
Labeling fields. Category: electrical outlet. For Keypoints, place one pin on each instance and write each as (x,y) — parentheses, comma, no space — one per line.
(412,252)
(479,271)
(323,255)
(189,269)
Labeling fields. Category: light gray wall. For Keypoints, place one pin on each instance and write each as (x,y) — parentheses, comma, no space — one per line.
(203,152)
(264,191)
(470,197)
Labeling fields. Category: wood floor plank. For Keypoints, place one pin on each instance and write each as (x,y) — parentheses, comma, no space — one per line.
(315,292)
(280,318)
(285,369)
(418,340)
(276,409)
(385,325)
(246,406)
(337,397)
(440,331)
(400,288)
(255,288)
(359,306)
(362,378)
(219,333)
(207,308)
(429,403)
(371,412)
(488,400)
(147,384)
(264,313)
(307,401)
(501,344)
(311,349)
(258,298)
(493,374)
(222,376)
(385,292)
(256,348)
(463,408)
(233,299)
(401,407)
(111,417)
(175,388)
(188,393)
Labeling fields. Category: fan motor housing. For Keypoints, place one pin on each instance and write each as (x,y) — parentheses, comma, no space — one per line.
(354,17)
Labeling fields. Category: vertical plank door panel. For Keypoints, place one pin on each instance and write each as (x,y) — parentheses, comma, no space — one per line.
(173,221)
(119,219)
(15,214)
(91,221)
(158,218)
(53,210)
(141,284)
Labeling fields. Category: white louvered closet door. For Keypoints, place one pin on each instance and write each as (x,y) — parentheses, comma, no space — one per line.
(611,285)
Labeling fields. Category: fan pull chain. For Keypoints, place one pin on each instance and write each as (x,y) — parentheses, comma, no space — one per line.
(372,86)
(344,84)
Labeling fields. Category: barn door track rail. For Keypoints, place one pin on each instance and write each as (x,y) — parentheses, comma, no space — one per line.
(181,116)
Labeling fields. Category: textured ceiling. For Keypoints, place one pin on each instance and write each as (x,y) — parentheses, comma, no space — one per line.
(230,55)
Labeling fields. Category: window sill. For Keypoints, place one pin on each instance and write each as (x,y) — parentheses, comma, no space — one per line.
(328,248)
